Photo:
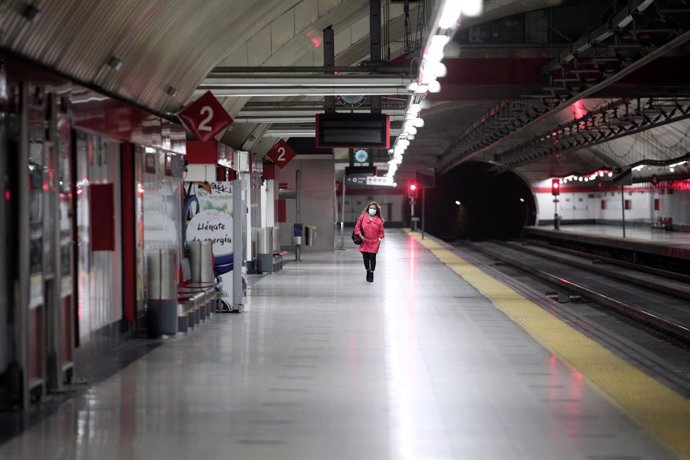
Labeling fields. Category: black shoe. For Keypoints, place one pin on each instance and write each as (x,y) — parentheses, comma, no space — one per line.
(370,276)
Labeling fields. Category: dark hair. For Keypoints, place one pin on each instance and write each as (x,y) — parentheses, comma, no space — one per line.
(377,206)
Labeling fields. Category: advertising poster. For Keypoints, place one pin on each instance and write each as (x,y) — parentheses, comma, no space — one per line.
(209,217)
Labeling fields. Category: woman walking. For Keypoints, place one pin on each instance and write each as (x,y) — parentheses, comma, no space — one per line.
(369,227)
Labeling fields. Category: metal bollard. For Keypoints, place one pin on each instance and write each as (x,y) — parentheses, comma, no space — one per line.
(201,261)
(162,293)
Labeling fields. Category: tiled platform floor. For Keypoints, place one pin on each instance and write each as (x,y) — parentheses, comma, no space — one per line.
(323,365)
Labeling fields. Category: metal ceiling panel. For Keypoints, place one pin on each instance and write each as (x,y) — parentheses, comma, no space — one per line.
(160,43)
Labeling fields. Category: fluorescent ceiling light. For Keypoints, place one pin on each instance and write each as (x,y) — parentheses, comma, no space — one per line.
(450,14)
(471,7)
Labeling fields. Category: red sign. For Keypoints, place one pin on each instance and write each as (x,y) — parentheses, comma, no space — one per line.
(205,117)
(281,153)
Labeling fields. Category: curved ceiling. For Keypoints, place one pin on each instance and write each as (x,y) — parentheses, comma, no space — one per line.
(157,52)
(160,43)
(572,88)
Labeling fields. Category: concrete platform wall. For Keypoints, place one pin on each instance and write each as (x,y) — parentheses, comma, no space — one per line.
(318,200)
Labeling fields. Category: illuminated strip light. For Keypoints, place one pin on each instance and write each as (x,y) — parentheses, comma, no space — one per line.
(598,174)
(431,68)
(383,181)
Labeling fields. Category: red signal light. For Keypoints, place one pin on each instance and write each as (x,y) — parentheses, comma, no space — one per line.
(412,190)
(555,187)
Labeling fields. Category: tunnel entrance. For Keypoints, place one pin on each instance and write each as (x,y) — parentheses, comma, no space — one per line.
(471,202)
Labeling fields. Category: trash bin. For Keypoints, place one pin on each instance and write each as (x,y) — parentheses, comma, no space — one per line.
(276,239)
(201,261)
(297,232)
(162,293)
(309,235)
(162,275)
(265,249)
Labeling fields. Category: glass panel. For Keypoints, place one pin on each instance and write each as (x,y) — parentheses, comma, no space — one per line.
(100,272)
(36,208)
(84,153)
(162,205)
(139,216)
(64,180)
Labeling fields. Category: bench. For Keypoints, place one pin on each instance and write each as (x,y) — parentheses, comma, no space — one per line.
(195,301)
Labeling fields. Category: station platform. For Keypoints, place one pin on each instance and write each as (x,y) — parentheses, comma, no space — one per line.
(657,242)
(635,232)
(433,360)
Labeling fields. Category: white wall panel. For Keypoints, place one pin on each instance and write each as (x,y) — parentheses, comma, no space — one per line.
(327,5)
(306,12)
(260,46)
(239,58)
(318,201)
(282,30)
(587,205)
(342,40)
(391,205)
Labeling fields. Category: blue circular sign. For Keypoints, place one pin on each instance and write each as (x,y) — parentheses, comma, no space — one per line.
(361,156)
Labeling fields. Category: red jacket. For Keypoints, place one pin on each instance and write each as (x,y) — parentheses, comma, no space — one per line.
(373,230)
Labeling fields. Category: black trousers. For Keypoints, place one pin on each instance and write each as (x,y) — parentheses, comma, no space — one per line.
(369,260)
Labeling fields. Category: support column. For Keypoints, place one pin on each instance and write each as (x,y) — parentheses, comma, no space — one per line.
(342,217)
(24,235)
(623,207)
(375,45)
(53,286)
(329,61)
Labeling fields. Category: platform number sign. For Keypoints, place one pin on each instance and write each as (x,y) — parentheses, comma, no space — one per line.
(205,117)
(281,153)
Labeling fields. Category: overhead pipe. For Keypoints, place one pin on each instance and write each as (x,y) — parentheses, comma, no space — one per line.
(396,114)
(306,81)
(311,69)
(304,132)
(291,119)
(273,92)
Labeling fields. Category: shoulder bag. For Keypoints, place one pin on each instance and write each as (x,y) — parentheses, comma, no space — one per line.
(355,237)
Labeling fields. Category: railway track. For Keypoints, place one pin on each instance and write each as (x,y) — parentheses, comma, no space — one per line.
(655,298)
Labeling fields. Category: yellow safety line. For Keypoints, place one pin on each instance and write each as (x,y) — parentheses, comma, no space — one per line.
(656,407)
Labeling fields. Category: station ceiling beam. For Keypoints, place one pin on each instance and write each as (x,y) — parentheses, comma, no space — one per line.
(615,120)
(577,74)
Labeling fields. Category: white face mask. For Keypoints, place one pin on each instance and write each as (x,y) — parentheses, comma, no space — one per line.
(372,212)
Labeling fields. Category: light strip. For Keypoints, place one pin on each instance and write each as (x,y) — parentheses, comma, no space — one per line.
(446,20)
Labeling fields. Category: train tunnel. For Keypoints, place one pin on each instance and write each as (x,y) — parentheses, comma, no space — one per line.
(473,202)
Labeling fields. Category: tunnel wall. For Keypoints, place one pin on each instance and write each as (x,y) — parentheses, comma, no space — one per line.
(472,202)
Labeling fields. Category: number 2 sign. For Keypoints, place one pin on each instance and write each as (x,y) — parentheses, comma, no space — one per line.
(205,117)
(281,153)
